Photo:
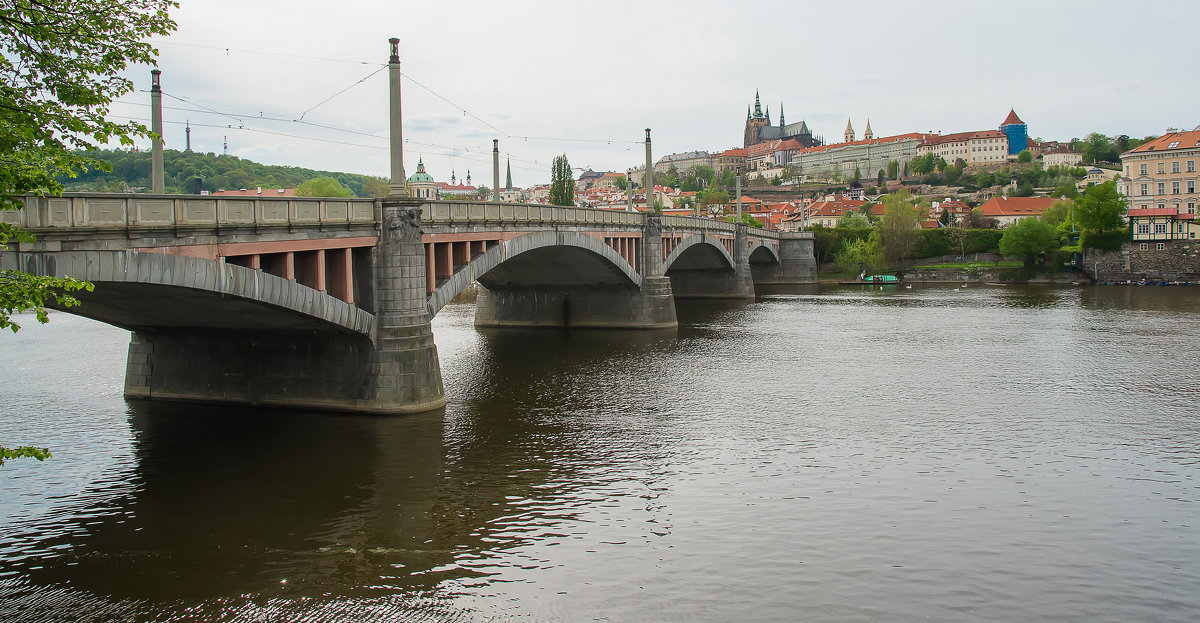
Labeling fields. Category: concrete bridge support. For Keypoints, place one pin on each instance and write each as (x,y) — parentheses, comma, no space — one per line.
(403,374)
(705,273)
(797,263)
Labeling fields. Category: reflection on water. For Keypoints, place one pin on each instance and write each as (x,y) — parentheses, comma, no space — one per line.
(983,453)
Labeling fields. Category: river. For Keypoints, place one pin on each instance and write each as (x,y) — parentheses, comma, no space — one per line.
(987,453)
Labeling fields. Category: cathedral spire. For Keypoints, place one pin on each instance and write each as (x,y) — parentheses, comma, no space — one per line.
(781,124)
(849,135)
(768,115)
(747,112)
(508,176)
(757,106)
(868,134)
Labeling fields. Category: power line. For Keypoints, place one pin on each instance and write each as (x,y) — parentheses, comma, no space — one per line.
(262,52)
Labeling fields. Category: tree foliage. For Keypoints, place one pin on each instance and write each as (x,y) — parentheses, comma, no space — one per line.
(40,454)
(853,220)
(562,183)
(898,229)
(1101,208)
(60,66)
(322,187)
(1027,238)
(859,253)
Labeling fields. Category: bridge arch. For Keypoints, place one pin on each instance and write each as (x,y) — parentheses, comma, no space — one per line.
(146,291)
(546,258)
(699,251)
(763,253)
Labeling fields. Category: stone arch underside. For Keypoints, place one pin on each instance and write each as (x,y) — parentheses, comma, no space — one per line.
(699,252)
(147,291)
(548,259)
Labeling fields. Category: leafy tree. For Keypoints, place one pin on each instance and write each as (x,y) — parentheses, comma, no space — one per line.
(60,66)
(621,183)
(859,254)
(1057,213)
(1028,237)
(983,179)
(322,187)
(898,229)
(893,168)
(1067,190)
(976,220)
(1101,208)
(790,172)
(727,178)
(853,220)
(562,183)
(374,187)
(879,181)
(1025,156)
(857,179)
(940,164)
(747,219)
(775,181)
(40,454)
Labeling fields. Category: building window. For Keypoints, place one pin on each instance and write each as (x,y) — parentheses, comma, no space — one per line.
(1191,207)
(1143,246)
(1160,246)
(1143,169)
(1174,188)
(1162,167)
(1162,206)
(1191,186)
(1144,191)
(1175,167)
(1143,228)
(1162,188)
(1160,228)
(1191,166)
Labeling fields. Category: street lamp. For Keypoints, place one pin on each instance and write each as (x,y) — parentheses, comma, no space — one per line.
(738,185)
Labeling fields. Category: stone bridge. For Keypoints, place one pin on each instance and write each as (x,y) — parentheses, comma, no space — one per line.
(326,303)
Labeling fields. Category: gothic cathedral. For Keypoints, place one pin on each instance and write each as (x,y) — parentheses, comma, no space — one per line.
(760,130)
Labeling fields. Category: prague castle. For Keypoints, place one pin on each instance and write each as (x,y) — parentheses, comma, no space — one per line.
(759,128)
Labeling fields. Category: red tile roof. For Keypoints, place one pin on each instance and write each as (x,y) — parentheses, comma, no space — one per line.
(1180,140)
(1135,212)
(961,136)
(1011,118)
(875,141)
(1016,206)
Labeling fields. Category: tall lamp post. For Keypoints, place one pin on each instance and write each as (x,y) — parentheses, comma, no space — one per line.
(738,185)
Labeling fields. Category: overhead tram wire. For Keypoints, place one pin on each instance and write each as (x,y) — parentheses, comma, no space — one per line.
(407,76)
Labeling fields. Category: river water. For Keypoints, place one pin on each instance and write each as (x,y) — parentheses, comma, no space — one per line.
(983,454)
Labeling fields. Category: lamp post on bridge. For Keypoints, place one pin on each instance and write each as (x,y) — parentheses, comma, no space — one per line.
(156,123)
(396,185)
(737,171)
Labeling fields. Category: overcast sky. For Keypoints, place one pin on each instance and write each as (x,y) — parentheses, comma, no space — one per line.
(585,79)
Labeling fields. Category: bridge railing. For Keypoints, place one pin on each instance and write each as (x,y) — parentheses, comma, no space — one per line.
(474,213)
(141,211)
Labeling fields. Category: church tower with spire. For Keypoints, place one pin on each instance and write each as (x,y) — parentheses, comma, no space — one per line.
(759,128)
(849,135)
(868,134)
(508,176)
(754,123)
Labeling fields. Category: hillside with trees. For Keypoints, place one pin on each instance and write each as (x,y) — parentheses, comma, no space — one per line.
(189,172)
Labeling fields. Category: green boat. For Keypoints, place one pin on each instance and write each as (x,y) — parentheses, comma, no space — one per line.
(871,280)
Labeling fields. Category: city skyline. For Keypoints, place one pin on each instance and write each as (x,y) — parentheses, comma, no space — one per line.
(565,79)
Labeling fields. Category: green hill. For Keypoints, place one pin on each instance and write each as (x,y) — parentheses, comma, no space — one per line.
(131,173)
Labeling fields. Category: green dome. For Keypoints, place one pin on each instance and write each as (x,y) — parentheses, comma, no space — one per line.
(420,176)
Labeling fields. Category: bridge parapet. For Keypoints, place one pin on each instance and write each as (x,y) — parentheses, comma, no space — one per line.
(140,215)
(481,214)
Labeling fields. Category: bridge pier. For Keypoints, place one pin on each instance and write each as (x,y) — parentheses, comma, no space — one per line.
(797,262)
(404,374)
(710,278)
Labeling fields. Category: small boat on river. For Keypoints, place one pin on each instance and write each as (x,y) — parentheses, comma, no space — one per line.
(873,280)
